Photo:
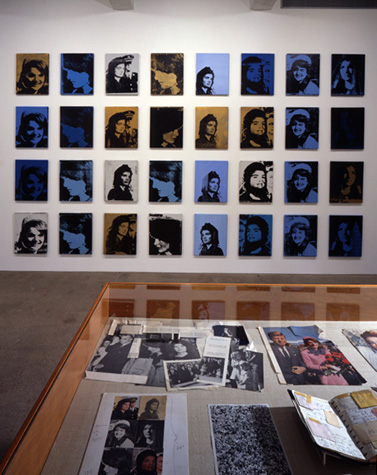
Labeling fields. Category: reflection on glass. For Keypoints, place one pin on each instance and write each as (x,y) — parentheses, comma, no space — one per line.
(343,290)
(208,287)
(297,311)
(162,309)
(253,310)
(163,287)
(121,308)
(206,310)
(298,289)
(253,288)
(342,312)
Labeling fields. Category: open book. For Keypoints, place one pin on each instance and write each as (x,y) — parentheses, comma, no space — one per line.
(344,426)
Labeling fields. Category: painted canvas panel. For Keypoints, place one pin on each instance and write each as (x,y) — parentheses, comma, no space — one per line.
(347,128)
(166,127)
(211,126)
(165,234)
(120,231)
(76,180)
(300,235)
(31,180)
(211,181)
(30,232)
(121,180)
(346,182)
(76,127)
(347,74)
(255,235)
(32,73)
(122,74)
(167,74)
(212,74)
(121,129)
(257,127)
(31,127)
(77,73)
(165,181)
(302,75)
(75,233)
(301,128)
(256,182)
(210,234)
(345,236)
(257,74)
(301,182)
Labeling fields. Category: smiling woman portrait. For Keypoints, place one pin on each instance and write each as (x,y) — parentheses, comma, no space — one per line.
(32,74)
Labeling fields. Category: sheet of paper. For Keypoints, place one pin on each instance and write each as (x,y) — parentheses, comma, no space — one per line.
(320,430)
(366,431)
(332,418)
(214,363)
(364,398)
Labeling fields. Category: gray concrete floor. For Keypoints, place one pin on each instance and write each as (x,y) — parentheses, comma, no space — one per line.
(42,311)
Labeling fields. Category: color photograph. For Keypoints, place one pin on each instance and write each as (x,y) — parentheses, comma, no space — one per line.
(32,72)
(211,181)
(257,127)
(77,74)
(347,74)
(212,74)
(211,126)
(210,235)
(120,232)
(122,74)
(121,180)
(121,129)
(167,74)
(255,235)
(31,180)
(31,127)
(302,75)
(257,74)
(30,232)
(300,235)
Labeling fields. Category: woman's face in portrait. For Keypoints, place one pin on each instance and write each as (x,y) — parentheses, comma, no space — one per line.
(74,187)
(119,432)
(207,80)
(312,344)
(148,464)
(214,185)
(34,132)
(123,229)
(34,239)
(298,127)
(73,134)
(125,178)
(350,175)
(258,126)
(298,235)
(372,341)
(159,463)
(166,80)
(120,126)
(211,127)
(206,237)
(154,406)
(162,246)
(119,70)
(254,73)
(74,240)
(258,179)
(148,431)
(300,182)
(253,233)
(179,349)
(125,406)
(35,78)
(164,188)
(344,232)
(170,136)
(299,73)
(346,70)
(270,125)
(77,78)
(33,186)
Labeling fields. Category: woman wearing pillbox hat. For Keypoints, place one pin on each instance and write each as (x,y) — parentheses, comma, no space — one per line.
(302,74)
(301,179)
(298,129)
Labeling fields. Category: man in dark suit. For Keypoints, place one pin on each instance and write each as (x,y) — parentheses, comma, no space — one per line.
(289,359)
(117,355)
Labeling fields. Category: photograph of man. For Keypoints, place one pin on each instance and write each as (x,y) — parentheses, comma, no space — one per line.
(31,180)
(75,233)
(122,74)
(77,73)
(345,236)
(253,182)
(254,127)
(116,355)
(347,74)
(32,74)
(167,74)
(121,180)
(346,182)
(212,127)
(211,181)
(302,75)
(31,127)
(76,127)
(166,127)
(210,235)
(76,180)
(300,235)
(122,127)
(257,239)
(165,181)
(347,128)
(257,74)
(301,129)
(212,74)
(165,235)
(120,234)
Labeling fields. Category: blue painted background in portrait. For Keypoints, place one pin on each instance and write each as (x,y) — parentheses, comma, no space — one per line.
(219,63)
(202,169)
(31,180)
(301,182)
(267,69)
(34,127)
(76,127)
(300,235)
(77,73)
(266,243)
(219,221)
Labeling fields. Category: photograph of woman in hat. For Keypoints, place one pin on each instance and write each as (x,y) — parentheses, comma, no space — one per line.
(301,180)
(300,235)
(301,129)
(122,127)
(165,235)
(302,74)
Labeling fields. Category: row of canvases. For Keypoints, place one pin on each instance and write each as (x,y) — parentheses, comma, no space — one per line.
(255,182)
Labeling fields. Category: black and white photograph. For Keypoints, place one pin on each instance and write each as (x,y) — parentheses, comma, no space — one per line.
(237,332)
(207,310)
(211,181)
(346,182)
(167,74)
(165,234)
(345,236)
(210,237)
(121,130)
(152,408)
(302,75)
(150,434)
(347,128)
(75,233)
(257,74)
(76,127)
(30,233)
(120,231)
(257,127)
(255,235)
(212,74)
(256,182)
(31,127)
(31,180)
(121,435)
(347,74)
(245,370)
(32,72)
(166,127)
(165,181)
(211,125)
(245,440)
(365,342)
(122,74)
(300,235)
(301,182)
(112,355)
(183,375)
(301,128)
(76,180)
(77,73)
(125,408)
(121,180)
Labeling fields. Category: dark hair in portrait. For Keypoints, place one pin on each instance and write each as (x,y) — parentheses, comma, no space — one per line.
(207,132)
(166,127)
(122,184)
(254,129)
(165,181)
(165,236)
(150,434)
(167,74)
(76,180)
(347,128)
(301,182)
(118,459)
(302,74)
(151,454)
(302,128)
(347,74)
(257,74)
(254,183)
(345,237)
(119,133)
(210,188)
(32,237)
(76,127)
(346,182)
(75,233)
(31,180)
(257,236)
(77,73)
(210,245)
(204,82)
(121,235)
(33,78)
(300,237)
(32,129)
(119,78)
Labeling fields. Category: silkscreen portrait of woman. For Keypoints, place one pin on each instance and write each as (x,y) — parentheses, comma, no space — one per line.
(31,127)
(347,74)
(302,75)
(31,233)
(32,74)
(31,180)
(167,74)
(346,182)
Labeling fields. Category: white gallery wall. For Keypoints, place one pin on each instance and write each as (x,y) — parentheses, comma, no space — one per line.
(189,27)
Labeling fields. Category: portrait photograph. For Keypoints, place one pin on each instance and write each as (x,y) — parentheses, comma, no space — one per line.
(245,370)
(257,127)
(167,74)
(300,235)
(346,182)
(302,75)
(347,128)
(76,127)
(31,180)
(211,128)
(31,127)
(77,73)
(30,233)
(75,233)
(166,127)
(207,310)
(255,235)
(182,375)
(211,181)
(165,234)
(256,182)
(345,236)
(212,74)
(121,127)
(210,234)
(122,74)
(301,182)
(76,180)
(347,74)
(120,232)
(365,342)
(257,74)
(121,180)
(152,407)
(301,128)
(32,74)
(165,181)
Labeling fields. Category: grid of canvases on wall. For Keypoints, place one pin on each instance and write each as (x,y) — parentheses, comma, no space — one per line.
(211,176)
